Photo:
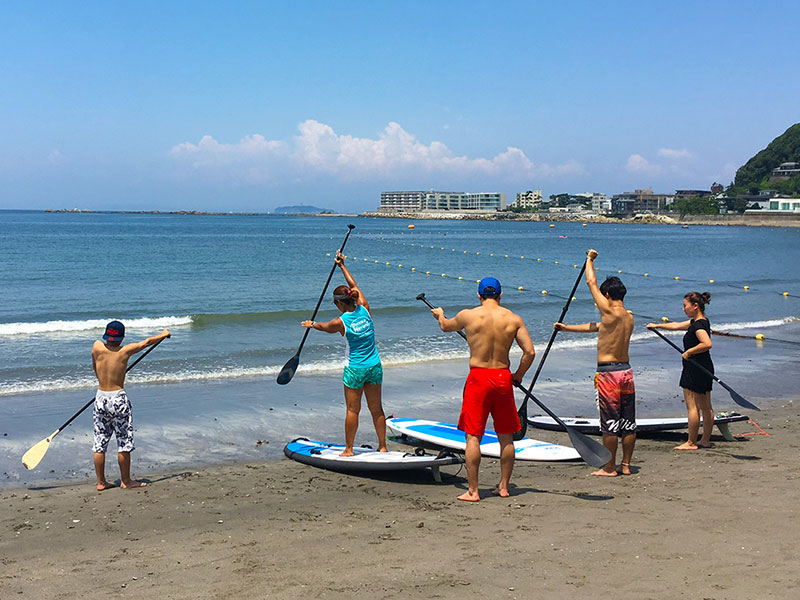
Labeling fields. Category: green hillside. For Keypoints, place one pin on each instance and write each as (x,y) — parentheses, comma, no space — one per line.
(755,173)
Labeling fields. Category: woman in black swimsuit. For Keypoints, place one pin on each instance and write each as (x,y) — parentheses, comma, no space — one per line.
(695,382)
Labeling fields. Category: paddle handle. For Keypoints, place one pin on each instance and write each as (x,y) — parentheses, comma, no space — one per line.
(324,289)
(431,306)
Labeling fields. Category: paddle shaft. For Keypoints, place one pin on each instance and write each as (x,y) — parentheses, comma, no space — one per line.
(555,331)
(324,289)
(88,404)
(734,394)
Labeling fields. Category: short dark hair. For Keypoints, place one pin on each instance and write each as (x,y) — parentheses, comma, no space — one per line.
(614,287)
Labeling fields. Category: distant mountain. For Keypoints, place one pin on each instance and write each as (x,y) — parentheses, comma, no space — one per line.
(755,173)
(301,208)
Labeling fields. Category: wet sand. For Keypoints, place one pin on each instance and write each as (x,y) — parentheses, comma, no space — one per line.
(718,523)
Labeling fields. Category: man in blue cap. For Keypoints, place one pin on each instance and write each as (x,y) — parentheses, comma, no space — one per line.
(491,330)
(112,409)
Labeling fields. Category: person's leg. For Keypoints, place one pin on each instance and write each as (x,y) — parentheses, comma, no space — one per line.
(610,468)
(352,398)
(694,420)
(704,405)
(506,463)
(473,460)
(124,460)
(100,471)
(628,442)
(373,395)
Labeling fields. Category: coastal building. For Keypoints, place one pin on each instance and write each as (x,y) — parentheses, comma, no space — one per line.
(786,170)
(691,193)
(439,201)
(601,204)
(639,201)
(531,199)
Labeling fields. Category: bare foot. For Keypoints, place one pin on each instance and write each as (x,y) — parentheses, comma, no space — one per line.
(347,452)
(132,484)
(625,469)
(469,497)
(503,493)
(686,446)
(104,486)
(382,449)
(604,473)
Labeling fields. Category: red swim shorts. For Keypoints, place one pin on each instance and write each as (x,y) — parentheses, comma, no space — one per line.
(488,391)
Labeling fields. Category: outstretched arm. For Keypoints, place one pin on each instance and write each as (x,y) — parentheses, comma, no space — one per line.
(445,324)
(584,328)
(351,282)
(671,326)
(131,349)
(334,326)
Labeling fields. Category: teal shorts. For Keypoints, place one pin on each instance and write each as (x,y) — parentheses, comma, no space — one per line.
(356,378)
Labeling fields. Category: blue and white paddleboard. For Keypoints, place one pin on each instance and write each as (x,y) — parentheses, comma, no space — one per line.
(642,425)
(366,460)
(449,436)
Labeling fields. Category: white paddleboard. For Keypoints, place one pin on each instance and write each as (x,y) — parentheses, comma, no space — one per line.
(365,459)
(449,436)
(585,425)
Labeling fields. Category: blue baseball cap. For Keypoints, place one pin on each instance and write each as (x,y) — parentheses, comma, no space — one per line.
(115,331)
(489,286)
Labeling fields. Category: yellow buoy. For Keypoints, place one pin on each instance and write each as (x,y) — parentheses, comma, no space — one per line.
(460,278)
(544,292)
(444,275)
(413,268)
(387,264)
(759,336)
(785,293)
(556,262)
(710,281)
(328,254)
(538,260)
(747,287)
(677,278)
(465,251)
(630,312)
(427,272)
(399,266)
(647,274)
(665,319)
(574,298)
(574,266)
(619,271)
(551,225)
(411,227)
(506,255)
(491,254)
(477,254)
(522,257)
(520,288)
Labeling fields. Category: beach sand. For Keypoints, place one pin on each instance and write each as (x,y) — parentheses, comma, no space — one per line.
(718,523)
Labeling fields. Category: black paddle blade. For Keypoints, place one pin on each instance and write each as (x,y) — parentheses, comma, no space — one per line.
(522,413)
(591,451)
(286,374)
(738,399)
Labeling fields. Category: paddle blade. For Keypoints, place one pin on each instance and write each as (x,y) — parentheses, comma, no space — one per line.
(738,399)
(591,451)
(35,455)
(286,374)
(522,413)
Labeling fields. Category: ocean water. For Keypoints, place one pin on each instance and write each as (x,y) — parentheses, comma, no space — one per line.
(233,290)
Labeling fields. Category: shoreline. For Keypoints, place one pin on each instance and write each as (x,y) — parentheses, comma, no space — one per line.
(740,220)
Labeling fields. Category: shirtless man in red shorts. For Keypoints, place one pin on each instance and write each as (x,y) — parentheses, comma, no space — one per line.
(490,330)
(616,395)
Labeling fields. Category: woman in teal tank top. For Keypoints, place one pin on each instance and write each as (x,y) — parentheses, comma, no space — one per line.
(363,372)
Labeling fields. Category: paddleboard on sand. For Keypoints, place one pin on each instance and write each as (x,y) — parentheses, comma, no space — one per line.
(365,460)
(642,425)
(449,436)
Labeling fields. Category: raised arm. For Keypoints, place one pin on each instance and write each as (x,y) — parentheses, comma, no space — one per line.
(591,280)
(351,282)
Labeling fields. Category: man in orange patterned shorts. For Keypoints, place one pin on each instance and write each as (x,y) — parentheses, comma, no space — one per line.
(616,395)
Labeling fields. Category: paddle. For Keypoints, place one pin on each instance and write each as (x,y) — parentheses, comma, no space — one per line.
(286,374)
(523,409)
(35,455)
(734,395)
(590,450)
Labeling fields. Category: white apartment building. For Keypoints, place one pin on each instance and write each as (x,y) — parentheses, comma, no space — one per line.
(601,204)
(438,201)
(529,199)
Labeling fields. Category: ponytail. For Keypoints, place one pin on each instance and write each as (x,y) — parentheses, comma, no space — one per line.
(345,295)
(700,299)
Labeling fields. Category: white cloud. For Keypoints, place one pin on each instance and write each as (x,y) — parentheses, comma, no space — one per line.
(671,153)
(639,164)
(318,149)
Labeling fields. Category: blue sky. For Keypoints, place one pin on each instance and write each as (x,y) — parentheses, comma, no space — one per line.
(252,105)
